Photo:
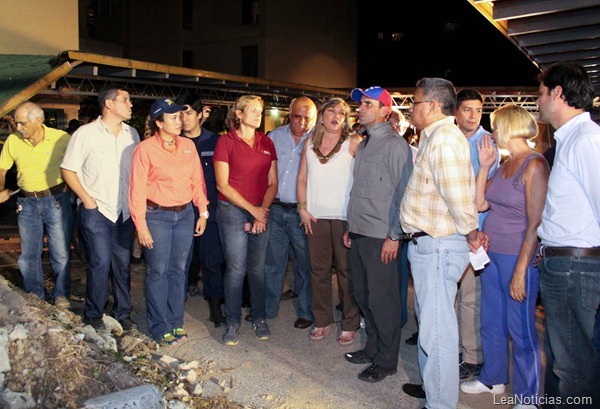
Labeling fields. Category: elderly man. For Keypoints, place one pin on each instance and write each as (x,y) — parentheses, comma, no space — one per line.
(96,167)
(285,224)
(439,216)
(43,203)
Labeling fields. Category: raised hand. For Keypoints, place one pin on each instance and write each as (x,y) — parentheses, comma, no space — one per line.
(486,152)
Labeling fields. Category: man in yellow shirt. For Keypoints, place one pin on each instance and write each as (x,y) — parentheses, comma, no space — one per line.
(43,203)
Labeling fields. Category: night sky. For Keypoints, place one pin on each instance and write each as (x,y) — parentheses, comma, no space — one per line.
(438,40)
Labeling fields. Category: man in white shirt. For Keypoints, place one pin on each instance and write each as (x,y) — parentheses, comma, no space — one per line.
(96,167)
(570,234)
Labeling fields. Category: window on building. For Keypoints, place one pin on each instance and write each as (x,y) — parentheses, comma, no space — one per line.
(250,11)
(187,59)
(250,61)
(107,7)
(187,7)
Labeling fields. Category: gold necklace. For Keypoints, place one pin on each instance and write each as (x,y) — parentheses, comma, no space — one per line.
(323,159)
(168,143)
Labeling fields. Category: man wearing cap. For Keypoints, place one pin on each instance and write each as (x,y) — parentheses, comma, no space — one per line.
(43,204)
(382,168)
(96,167)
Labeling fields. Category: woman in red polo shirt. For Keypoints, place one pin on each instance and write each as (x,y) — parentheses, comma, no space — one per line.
(166,177)
(246,171)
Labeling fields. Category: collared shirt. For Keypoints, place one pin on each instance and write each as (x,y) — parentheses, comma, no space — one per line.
(440,197)
(248,166)
(473,141)
(166,178)
(102,162)
(381,171)
(571,215)
(288,161)
(38,167)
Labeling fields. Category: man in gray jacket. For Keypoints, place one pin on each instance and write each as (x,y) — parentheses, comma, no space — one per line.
(381,171)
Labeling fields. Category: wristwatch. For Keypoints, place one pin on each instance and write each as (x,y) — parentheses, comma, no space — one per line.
(204,214)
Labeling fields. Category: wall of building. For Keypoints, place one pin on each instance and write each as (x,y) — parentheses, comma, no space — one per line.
(312,42)
(38,27)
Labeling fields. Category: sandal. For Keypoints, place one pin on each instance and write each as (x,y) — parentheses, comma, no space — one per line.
(180,333)
(168,339)
(318,333)
(346,337)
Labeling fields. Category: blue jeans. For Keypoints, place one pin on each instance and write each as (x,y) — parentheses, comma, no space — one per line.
(245,253)
(286,232)
(108,247)
(51,214)
(437,265)
(502,319)
(570,289)
(172,233)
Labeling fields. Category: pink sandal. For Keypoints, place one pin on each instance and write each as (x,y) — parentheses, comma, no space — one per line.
(318,333)
(346,337)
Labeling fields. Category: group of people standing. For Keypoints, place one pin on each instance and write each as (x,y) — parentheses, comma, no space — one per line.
(337,202)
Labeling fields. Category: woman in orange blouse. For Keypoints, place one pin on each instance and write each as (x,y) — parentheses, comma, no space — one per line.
(166,177)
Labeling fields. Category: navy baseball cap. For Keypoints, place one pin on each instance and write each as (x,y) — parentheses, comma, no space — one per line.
(164,106)
(377,93)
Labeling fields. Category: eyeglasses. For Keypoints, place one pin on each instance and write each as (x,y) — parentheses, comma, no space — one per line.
(417,103)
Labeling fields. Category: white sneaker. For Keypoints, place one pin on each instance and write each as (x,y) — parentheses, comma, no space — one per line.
(474,387)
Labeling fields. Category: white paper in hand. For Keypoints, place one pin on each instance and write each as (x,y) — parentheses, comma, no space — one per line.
(479,259)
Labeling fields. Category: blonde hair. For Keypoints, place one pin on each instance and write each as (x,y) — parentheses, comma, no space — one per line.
(232,121)
(317,134)
(510,122)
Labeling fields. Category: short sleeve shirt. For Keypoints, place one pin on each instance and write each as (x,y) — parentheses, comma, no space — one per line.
(248,166)
(38,167)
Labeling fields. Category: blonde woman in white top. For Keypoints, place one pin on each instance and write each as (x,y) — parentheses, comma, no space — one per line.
(324,183)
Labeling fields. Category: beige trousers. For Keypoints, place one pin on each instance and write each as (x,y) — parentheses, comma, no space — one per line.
(468,303)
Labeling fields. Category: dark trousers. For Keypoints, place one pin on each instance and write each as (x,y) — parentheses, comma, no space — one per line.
(376,289)
(207,254)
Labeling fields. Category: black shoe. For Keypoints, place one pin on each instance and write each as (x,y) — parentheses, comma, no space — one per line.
(358,357)
(128,324)
(376,373)
(413,340)
(95,322)
(468,371)
(288,295)
(414,390)
(194,290)
(216,314)
(302,323)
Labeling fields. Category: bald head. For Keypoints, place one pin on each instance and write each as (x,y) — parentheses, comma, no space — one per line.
(29,118)
(303,113)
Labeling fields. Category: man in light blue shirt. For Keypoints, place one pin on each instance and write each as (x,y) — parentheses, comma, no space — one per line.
(570,235)
(468,113)
(285,225)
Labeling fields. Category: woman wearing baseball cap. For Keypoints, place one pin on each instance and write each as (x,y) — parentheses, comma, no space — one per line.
(166,177)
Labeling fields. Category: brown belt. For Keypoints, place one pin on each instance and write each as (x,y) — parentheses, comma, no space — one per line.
(44,193)
(154,206)
(569,251)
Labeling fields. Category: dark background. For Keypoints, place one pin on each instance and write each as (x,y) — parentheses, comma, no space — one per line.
(448,39)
